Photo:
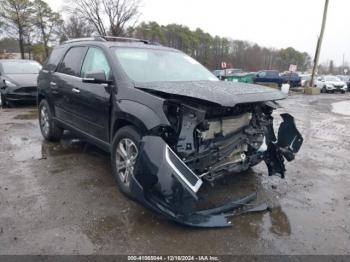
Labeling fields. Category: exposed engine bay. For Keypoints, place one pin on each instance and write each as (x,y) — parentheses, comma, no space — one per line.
(203,143)
(214,141)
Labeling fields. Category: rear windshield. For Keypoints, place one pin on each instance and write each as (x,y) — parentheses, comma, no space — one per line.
(21,67)
(150,65)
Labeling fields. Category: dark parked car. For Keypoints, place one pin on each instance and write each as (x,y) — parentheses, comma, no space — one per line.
(292,78)
(268,76)
(18,80)
(169,124)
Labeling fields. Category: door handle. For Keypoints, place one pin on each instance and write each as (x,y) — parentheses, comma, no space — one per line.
(76,90)
(53,84)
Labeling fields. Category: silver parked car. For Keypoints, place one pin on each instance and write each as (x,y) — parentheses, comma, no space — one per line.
(331,84)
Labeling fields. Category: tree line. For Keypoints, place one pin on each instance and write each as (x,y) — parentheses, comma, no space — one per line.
(212,50)
(37,27)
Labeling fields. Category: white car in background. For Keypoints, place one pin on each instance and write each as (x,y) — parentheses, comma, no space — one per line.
(331,84)
(305,79)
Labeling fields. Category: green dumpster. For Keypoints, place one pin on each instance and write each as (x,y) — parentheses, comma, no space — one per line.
(241,77)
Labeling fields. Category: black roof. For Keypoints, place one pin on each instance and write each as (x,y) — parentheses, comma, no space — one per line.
(118,42)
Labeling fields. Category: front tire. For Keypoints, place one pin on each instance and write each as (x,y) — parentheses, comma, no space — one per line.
(48,127)
(324,90)
(125,149)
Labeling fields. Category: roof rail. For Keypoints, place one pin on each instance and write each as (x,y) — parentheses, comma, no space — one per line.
(110,38)
(94,38)
(126,39)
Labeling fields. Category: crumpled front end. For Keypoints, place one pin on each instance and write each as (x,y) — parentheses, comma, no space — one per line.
(163,183)
(203,147)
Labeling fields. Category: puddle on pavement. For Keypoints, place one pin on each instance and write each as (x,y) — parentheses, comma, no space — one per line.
(28,148)
(279,222)
(33,114)
(136,222)
(342,108)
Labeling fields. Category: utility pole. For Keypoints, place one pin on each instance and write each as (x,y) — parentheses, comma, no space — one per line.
(319,43)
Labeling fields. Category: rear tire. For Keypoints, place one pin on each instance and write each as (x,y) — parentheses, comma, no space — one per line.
(125,149)
(48,127)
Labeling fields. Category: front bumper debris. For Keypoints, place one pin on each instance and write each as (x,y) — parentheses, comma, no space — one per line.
(165,184)
(285,147)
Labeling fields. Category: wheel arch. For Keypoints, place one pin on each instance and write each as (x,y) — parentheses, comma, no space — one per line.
(40,97)
(127,121)
(133,113)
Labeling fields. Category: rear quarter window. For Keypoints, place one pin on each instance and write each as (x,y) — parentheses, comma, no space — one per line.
(54,59)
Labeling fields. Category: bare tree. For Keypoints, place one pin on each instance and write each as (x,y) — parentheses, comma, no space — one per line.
(119,13)
(331,67)
(16,15)
(75,28)
(107,16)
(91,11)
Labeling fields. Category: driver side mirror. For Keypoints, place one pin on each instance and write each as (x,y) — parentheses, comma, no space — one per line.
(97,77)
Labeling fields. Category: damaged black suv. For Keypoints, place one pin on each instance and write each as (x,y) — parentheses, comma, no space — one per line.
(168,122)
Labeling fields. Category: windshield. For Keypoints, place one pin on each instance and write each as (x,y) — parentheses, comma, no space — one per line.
(21,67)
(149,65)
(332,78)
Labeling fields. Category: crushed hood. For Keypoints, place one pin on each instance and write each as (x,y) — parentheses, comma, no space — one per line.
(223,93)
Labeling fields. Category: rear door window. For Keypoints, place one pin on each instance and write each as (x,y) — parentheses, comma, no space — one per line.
(71,62)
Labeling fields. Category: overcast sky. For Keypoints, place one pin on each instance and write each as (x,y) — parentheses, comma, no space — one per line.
(271,23)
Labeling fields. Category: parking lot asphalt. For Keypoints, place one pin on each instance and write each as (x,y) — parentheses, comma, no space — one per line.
(60,198)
